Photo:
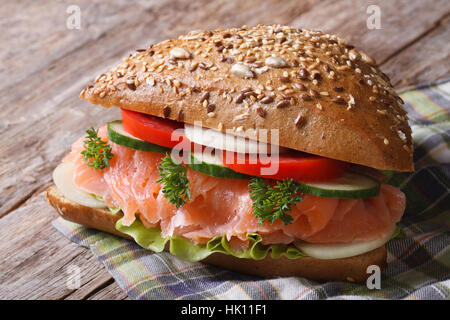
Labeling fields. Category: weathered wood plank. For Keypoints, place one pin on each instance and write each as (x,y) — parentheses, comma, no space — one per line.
(110,292)
(37,32)
(36,257)
(94,285)
(425,60)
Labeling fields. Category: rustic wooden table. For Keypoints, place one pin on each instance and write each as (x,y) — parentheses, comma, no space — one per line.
(44,63)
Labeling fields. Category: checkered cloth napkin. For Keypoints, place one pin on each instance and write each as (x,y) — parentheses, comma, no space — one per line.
(418,264)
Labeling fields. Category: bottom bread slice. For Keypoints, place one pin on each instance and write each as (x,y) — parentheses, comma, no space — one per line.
(352,269)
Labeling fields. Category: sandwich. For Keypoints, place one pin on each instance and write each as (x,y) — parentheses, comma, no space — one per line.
(262,150)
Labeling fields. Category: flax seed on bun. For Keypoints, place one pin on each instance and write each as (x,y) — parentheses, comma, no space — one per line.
(324,96)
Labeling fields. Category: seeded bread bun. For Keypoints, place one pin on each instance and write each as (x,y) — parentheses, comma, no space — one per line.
(324,96)
(352,269)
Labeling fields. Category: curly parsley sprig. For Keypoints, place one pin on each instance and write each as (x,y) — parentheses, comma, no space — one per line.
(176,184)
(273,202)
(97,153)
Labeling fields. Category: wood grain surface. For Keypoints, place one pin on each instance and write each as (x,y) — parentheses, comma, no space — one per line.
(44,65)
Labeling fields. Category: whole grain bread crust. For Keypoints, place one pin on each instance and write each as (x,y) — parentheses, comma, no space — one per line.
(324,96)
(349,269)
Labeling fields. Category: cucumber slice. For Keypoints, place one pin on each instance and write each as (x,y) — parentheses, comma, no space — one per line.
(118,135)
(341,250)
(213,166)
(349,186)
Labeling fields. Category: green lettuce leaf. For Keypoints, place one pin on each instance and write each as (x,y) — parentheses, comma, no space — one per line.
(398,233)
(113,210)
(184,249)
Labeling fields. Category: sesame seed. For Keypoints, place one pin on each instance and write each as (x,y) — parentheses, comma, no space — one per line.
(204,96)
(289,91)
(401,135)
(193,66)
(386,141)
(250,94)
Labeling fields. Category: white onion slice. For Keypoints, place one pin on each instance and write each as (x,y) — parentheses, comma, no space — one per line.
(219,140)
(63,179)
(341,250)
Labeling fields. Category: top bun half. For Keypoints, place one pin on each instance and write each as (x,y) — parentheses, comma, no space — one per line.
(324,96)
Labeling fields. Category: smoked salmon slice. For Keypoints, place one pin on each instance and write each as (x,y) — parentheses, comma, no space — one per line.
(222,206)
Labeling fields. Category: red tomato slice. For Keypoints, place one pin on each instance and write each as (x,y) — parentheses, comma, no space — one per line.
(298,166)
(149,128)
